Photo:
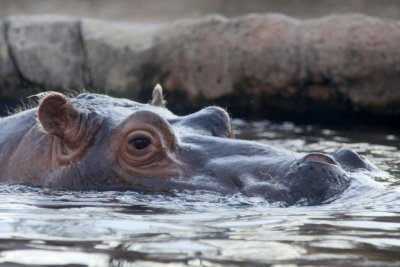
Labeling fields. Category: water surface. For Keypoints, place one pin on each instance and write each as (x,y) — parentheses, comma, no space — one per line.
(360,228)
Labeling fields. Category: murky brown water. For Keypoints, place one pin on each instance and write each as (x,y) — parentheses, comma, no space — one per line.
(361,228)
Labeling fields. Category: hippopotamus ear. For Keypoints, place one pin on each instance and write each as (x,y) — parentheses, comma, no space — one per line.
(74,128)
(158,98)
(57,116)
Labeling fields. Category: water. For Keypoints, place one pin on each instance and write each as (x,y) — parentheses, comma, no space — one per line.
(361,228)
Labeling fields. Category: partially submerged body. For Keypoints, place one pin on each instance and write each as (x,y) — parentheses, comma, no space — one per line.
(96,142)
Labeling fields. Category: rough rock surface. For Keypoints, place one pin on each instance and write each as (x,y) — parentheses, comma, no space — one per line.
(117,54)
(48,51)
(357,55)
(215,54)
(8,76)
(336,64)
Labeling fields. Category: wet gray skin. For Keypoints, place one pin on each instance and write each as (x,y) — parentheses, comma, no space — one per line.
(96,142)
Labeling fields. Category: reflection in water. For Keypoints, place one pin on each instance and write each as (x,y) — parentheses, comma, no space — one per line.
(360,228)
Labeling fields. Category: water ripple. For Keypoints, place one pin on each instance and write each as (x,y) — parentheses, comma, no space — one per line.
(201,228)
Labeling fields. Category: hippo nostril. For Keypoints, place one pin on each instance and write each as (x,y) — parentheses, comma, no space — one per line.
(318,157)
(351,160)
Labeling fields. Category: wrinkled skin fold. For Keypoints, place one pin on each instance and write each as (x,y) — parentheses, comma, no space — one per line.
(96,142)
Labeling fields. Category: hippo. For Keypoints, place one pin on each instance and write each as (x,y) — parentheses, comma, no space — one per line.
(97,142)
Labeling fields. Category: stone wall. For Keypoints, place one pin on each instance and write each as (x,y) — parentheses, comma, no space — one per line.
(170,10)
(254,65)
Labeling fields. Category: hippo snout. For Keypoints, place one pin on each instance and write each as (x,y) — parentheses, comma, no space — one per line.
(315,178)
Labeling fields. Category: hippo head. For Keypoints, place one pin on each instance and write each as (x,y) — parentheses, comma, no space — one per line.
(98,142)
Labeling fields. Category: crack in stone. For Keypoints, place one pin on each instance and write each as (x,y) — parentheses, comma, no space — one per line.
(86,72)
(11,53)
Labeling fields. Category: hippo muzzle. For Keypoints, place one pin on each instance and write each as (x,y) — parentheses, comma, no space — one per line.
(316,178)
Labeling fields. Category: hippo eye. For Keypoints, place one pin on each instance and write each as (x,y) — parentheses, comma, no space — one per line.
(145,145)
(140,143)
